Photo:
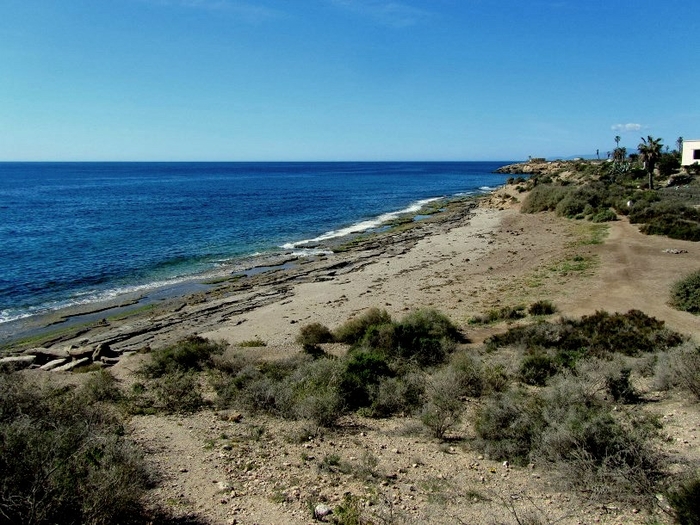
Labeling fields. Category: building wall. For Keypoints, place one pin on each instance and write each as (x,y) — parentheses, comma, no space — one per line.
(691,152)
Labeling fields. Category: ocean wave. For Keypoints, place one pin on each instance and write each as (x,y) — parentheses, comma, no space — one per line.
(361,226)
(88,297)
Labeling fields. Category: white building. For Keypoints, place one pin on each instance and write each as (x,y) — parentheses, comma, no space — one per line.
(691,152)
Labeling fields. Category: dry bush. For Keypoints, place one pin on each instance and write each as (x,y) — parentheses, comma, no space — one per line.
(64,458)
(443,408)
(680,368)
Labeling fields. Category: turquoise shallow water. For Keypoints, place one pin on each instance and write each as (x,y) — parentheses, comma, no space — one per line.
(74,233)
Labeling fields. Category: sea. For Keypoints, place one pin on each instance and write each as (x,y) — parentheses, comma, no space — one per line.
(81,233)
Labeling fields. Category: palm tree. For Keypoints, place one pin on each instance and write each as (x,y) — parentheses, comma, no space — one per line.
(617,140)
(679,143)
(650,152)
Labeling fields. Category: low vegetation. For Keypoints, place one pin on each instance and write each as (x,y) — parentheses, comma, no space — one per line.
(563,395)
(601,191)
(64,457)
(685,293)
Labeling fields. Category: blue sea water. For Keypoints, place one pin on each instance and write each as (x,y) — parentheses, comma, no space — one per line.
(75,233)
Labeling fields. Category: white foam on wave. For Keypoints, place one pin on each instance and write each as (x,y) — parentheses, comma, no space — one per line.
(86,297)
(361,226)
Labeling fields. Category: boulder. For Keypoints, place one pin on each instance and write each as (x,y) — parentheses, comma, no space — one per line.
(321,511)
(81,352)
(54,364)
(73,365)
(108,361)
(102,350)
(47,354)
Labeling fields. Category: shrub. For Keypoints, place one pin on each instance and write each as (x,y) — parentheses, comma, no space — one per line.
(541,308)
(443,407)
(619,386)
(666,217)
(536,369)
(610,452)
(599,334)
(398,395)
(680,368)
(322,408)
(354,330)
(508,425)
(178,391)
(63,460)
(470,374)
(425,336)
(102,386)
(685,293)
(543,197)
(193,353)
(252,343)
(685,501)
(314,334)
(604,216)
(361,376)
(312,392)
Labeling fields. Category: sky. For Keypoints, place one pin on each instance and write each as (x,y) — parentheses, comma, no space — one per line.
(337,80)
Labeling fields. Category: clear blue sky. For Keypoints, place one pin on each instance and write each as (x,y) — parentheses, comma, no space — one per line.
(344,79)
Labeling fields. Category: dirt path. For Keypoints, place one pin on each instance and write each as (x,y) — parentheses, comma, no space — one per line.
(636,271)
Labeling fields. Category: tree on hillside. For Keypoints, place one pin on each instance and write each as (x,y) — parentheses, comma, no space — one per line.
(619,155)
(649,153)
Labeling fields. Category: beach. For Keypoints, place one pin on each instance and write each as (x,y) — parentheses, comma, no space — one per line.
(227,467)
(476,255)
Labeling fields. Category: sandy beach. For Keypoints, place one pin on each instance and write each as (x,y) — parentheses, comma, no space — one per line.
(463,261)
(472,257)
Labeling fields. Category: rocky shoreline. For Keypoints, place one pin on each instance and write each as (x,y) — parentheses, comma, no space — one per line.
(105,340)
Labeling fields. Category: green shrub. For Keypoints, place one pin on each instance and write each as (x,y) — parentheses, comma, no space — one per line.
(470,374)
(685,293)
(541,308)
(398,395)
(599,334)
(543,197)
(508,426)
(323,408)
(63,460)
(193,353)
(252,343)
(685,501)
(314,334)
(667,217)
(102,386)
(604,216)
(536,369)
(361,377)
(426,337)
(312,392)
(354,330)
